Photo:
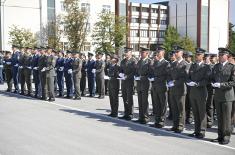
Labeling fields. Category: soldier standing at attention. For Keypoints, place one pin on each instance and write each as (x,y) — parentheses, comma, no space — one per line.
(50,74)
(83,78)
(7,62)
(15,66)
(127,72)
(177,77)
(1,68)
(60,73)
(142,74)
(36,78)
(106,69)
(68,74)
(77,74)
(42,64)
(223,76)
(198,78)
(90,67)
(99,71)
(113,85)
(188,108)
(159,70)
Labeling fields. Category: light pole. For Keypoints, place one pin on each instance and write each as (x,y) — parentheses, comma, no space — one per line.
(2,24)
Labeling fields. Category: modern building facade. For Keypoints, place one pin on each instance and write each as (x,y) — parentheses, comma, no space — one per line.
(146,24)
(204,21)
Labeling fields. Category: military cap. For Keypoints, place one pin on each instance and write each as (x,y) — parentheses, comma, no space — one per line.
(207,54)
(224,50)
(178,48)
(143,49)
(200,50)
(99,53)
(90,54)
(171,53)
(160,48)
(127,49)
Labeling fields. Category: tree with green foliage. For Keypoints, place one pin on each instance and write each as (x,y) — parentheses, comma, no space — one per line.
(171,38)
(187,44)
(21,37)
(109,33)
(76,23)
(231,44)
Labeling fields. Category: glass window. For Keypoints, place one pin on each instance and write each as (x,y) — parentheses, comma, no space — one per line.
(135,20)
(144,21)
(153,21)
(62,7)
(153,34)
(51,3)
(134,33)
(106,8)
(163,22)
(161,34)
(144,33)
(85,7)
(204,27)
(135,9)
(163,11)
(154,10)
(145,10)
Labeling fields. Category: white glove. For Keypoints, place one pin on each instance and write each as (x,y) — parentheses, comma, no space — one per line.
(106,77)
(20,67)
(191,84)
(216,85)
(137,78)
(93,70)
(8,63)
(61,68)
(35,68)
(170,84)
(16,65)
(121,75)
(1,66)
(70,71)
(3,61)
(151,79)
(29,67)
(43,69)
(85,70)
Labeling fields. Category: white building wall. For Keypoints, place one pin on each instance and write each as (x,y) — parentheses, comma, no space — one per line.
(218,24)
(23,13)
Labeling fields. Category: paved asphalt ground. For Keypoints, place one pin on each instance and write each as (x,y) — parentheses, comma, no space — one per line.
(67,127)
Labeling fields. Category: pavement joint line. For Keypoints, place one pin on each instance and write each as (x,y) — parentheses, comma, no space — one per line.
(128,122)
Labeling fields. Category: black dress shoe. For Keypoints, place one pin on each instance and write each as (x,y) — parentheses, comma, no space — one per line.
(68,97)
(126,117)
(200,135)
(112,115)
(172,129)
(217,140)
(224,142)
(192,134)
(178,131)
(77,98)
(101,97)
(51,100)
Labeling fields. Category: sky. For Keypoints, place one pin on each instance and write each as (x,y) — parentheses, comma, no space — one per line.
(232,7)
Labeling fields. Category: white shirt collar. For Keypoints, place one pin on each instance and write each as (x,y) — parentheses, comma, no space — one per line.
(179,61)
(161,59)
(224,63)
(200,63)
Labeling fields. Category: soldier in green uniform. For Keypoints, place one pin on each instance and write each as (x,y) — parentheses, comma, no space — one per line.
(127,72)
(199,74)
(223,76)
(176,81)
(26,71)
(83,78)
(113,85)
(50,74)
(77,74)
(99,71)
(159,73)
(141,76)
(7,62)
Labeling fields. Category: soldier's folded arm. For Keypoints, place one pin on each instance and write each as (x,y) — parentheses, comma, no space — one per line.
(231,82)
